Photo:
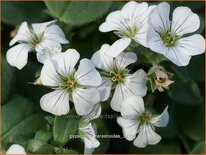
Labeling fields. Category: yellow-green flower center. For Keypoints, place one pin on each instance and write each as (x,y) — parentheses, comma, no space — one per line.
(169,39)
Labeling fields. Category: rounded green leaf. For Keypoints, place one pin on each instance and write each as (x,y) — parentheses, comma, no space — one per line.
(78,13)
(20,117)
(37,146)
(63,128)
(14,13)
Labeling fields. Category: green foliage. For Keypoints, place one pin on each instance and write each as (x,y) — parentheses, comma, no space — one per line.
(185,114)
(199,148)
(184,90)
(64,151)
(37,146)
(78,13)
(16,116)
(63,128)
(43,135)
(14,13)
(7,80)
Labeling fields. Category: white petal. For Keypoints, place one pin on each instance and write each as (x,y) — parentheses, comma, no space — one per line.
(16,149)
(146,137)
(46,49)
(54,32)
(161,120)
(132,107)
(56,102)
(66,61)
(113,22)
(184,21)
(39,28)
(159,17)
(129,127)
(87,74)
(136,83)
(128,9)
(94,114)
(90,137)
(23,34)
(85,99)
(192,45)
(125,59)
(49,76)
(142,24)
(17,56)
(177,56)
(118,97)
(118,46)
(105,89)
(101,60)
(155,42)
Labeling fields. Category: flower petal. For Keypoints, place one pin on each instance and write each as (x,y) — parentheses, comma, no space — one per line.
(105,89)
(94,114)
(192,45)
(118,46)
(159,18)
(129,127)
(65,62)
(177,56)
(136,83)
(54,32)
(118,97)
(155,42)
(146,137)
(161,120)
(49,76)
(184,21)
(39,28)
(125,59)
(56,102)
(113,22)
(90,140)
(87,74)
(101,60)
(85,99)
(132,107)
(46,49)
(23,34)
(128,9)
(16,149)
(17,56)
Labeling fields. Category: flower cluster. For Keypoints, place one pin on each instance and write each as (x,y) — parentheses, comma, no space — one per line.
(108,75)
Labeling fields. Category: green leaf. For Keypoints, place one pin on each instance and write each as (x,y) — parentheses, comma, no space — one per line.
(43,135)
(164,147)
(199,148)
(64,151)
(63,128)
(14,13)
(78,13)
(184,90)
(7,80)
(20,117)
(37,146)
(190,121)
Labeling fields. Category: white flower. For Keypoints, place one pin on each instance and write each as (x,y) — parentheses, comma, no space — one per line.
(15,149)
(87,131)
(129,23)
(89,137)
(116,76)
(136,120)
(167,37)
(69,84)
(44,38)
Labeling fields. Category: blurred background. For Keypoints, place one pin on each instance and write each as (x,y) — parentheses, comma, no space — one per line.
(21,113)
